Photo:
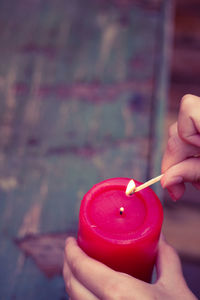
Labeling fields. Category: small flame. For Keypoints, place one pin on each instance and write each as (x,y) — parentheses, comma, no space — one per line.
(121,210)
(130,187)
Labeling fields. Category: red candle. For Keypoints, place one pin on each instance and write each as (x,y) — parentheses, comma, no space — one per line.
(121,231)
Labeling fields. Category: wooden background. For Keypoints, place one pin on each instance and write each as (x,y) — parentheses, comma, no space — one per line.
(83,89)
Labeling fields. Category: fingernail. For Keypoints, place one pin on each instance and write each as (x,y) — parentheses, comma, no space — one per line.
(171,181)
(162,237)
(172,196)
(68,240)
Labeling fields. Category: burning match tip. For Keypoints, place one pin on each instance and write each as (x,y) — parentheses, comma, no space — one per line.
(130,189)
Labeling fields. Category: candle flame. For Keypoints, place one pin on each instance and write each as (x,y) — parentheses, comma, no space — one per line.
(130,187)
(121,210)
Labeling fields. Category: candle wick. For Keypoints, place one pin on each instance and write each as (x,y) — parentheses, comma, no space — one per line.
(121,210)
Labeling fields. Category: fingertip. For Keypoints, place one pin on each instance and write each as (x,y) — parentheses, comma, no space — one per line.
(168,263)
(162,242)
(165,249)
(69,243)
(162,237)
(70,240)
(172,196)
(162,182)
(174,184)
(176,191)
(168,180)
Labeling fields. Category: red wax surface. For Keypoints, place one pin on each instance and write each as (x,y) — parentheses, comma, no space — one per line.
(128,242)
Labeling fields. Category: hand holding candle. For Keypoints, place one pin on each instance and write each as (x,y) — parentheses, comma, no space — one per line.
(88,279)
(119,230)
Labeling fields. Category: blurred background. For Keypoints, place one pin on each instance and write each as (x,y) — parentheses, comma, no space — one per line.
(87,92)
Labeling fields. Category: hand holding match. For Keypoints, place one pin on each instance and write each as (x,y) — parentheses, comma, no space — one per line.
(131,187)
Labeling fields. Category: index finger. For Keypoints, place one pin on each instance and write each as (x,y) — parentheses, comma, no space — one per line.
(177,149)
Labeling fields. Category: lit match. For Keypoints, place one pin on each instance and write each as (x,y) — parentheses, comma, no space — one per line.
(131,187)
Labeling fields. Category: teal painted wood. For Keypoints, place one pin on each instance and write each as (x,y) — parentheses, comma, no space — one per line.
(160,96)
(76,83)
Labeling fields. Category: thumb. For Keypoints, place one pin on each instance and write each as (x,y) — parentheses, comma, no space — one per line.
(168,265)
(185,171)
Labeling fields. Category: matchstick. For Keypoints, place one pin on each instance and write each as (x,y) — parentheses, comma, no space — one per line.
(131,188)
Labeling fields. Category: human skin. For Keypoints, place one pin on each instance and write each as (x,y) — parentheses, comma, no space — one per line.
(181,160)
(88,279)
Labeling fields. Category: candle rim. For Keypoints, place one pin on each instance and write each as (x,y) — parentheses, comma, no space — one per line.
(140,233)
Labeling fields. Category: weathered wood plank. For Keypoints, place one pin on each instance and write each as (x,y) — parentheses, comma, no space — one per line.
(76,79)
(185,56)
